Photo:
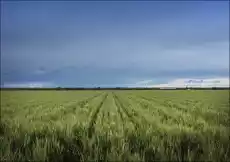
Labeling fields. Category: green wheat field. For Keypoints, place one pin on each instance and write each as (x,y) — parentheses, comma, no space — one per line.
(118,125)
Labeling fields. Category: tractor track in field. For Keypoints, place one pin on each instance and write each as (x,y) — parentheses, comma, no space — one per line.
(169,116)
(71,106)
(169,103)
(138,114)
(83,102)
(142,107)
(120,104)
(93,120)
(119,111)
(80,103)
(162,112)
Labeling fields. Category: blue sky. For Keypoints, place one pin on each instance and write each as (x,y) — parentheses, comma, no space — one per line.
(113,43)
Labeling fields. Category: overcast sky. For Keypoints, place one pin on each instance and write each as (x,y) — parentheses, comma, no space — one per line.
(113,43)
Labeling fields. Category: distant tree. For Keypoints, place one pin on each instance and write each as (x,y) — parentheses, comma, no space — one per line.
(58,88)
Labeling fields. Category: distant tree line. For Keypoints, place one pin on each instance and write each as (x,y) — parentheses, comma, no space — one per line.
(119,88)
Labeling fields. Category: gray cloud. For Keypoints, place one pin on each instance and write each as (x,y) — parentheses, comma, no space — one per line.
(67,48)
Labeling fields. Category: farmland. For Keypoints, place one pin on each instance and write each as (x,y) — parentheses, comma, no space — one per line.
(128,125)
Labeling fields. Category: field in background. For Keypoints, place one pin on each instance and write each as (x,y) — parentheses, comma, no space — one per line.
(115,125)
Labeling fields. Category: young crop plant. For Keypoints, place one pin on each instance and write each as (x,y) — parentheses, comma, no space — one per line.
(137,125)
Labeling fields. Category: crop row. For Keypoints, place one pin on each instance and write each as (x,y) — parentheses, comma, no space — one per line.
(110,126)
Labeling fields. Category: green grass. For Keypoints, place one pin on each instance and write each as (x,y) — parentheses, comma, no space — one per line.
(144,125)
